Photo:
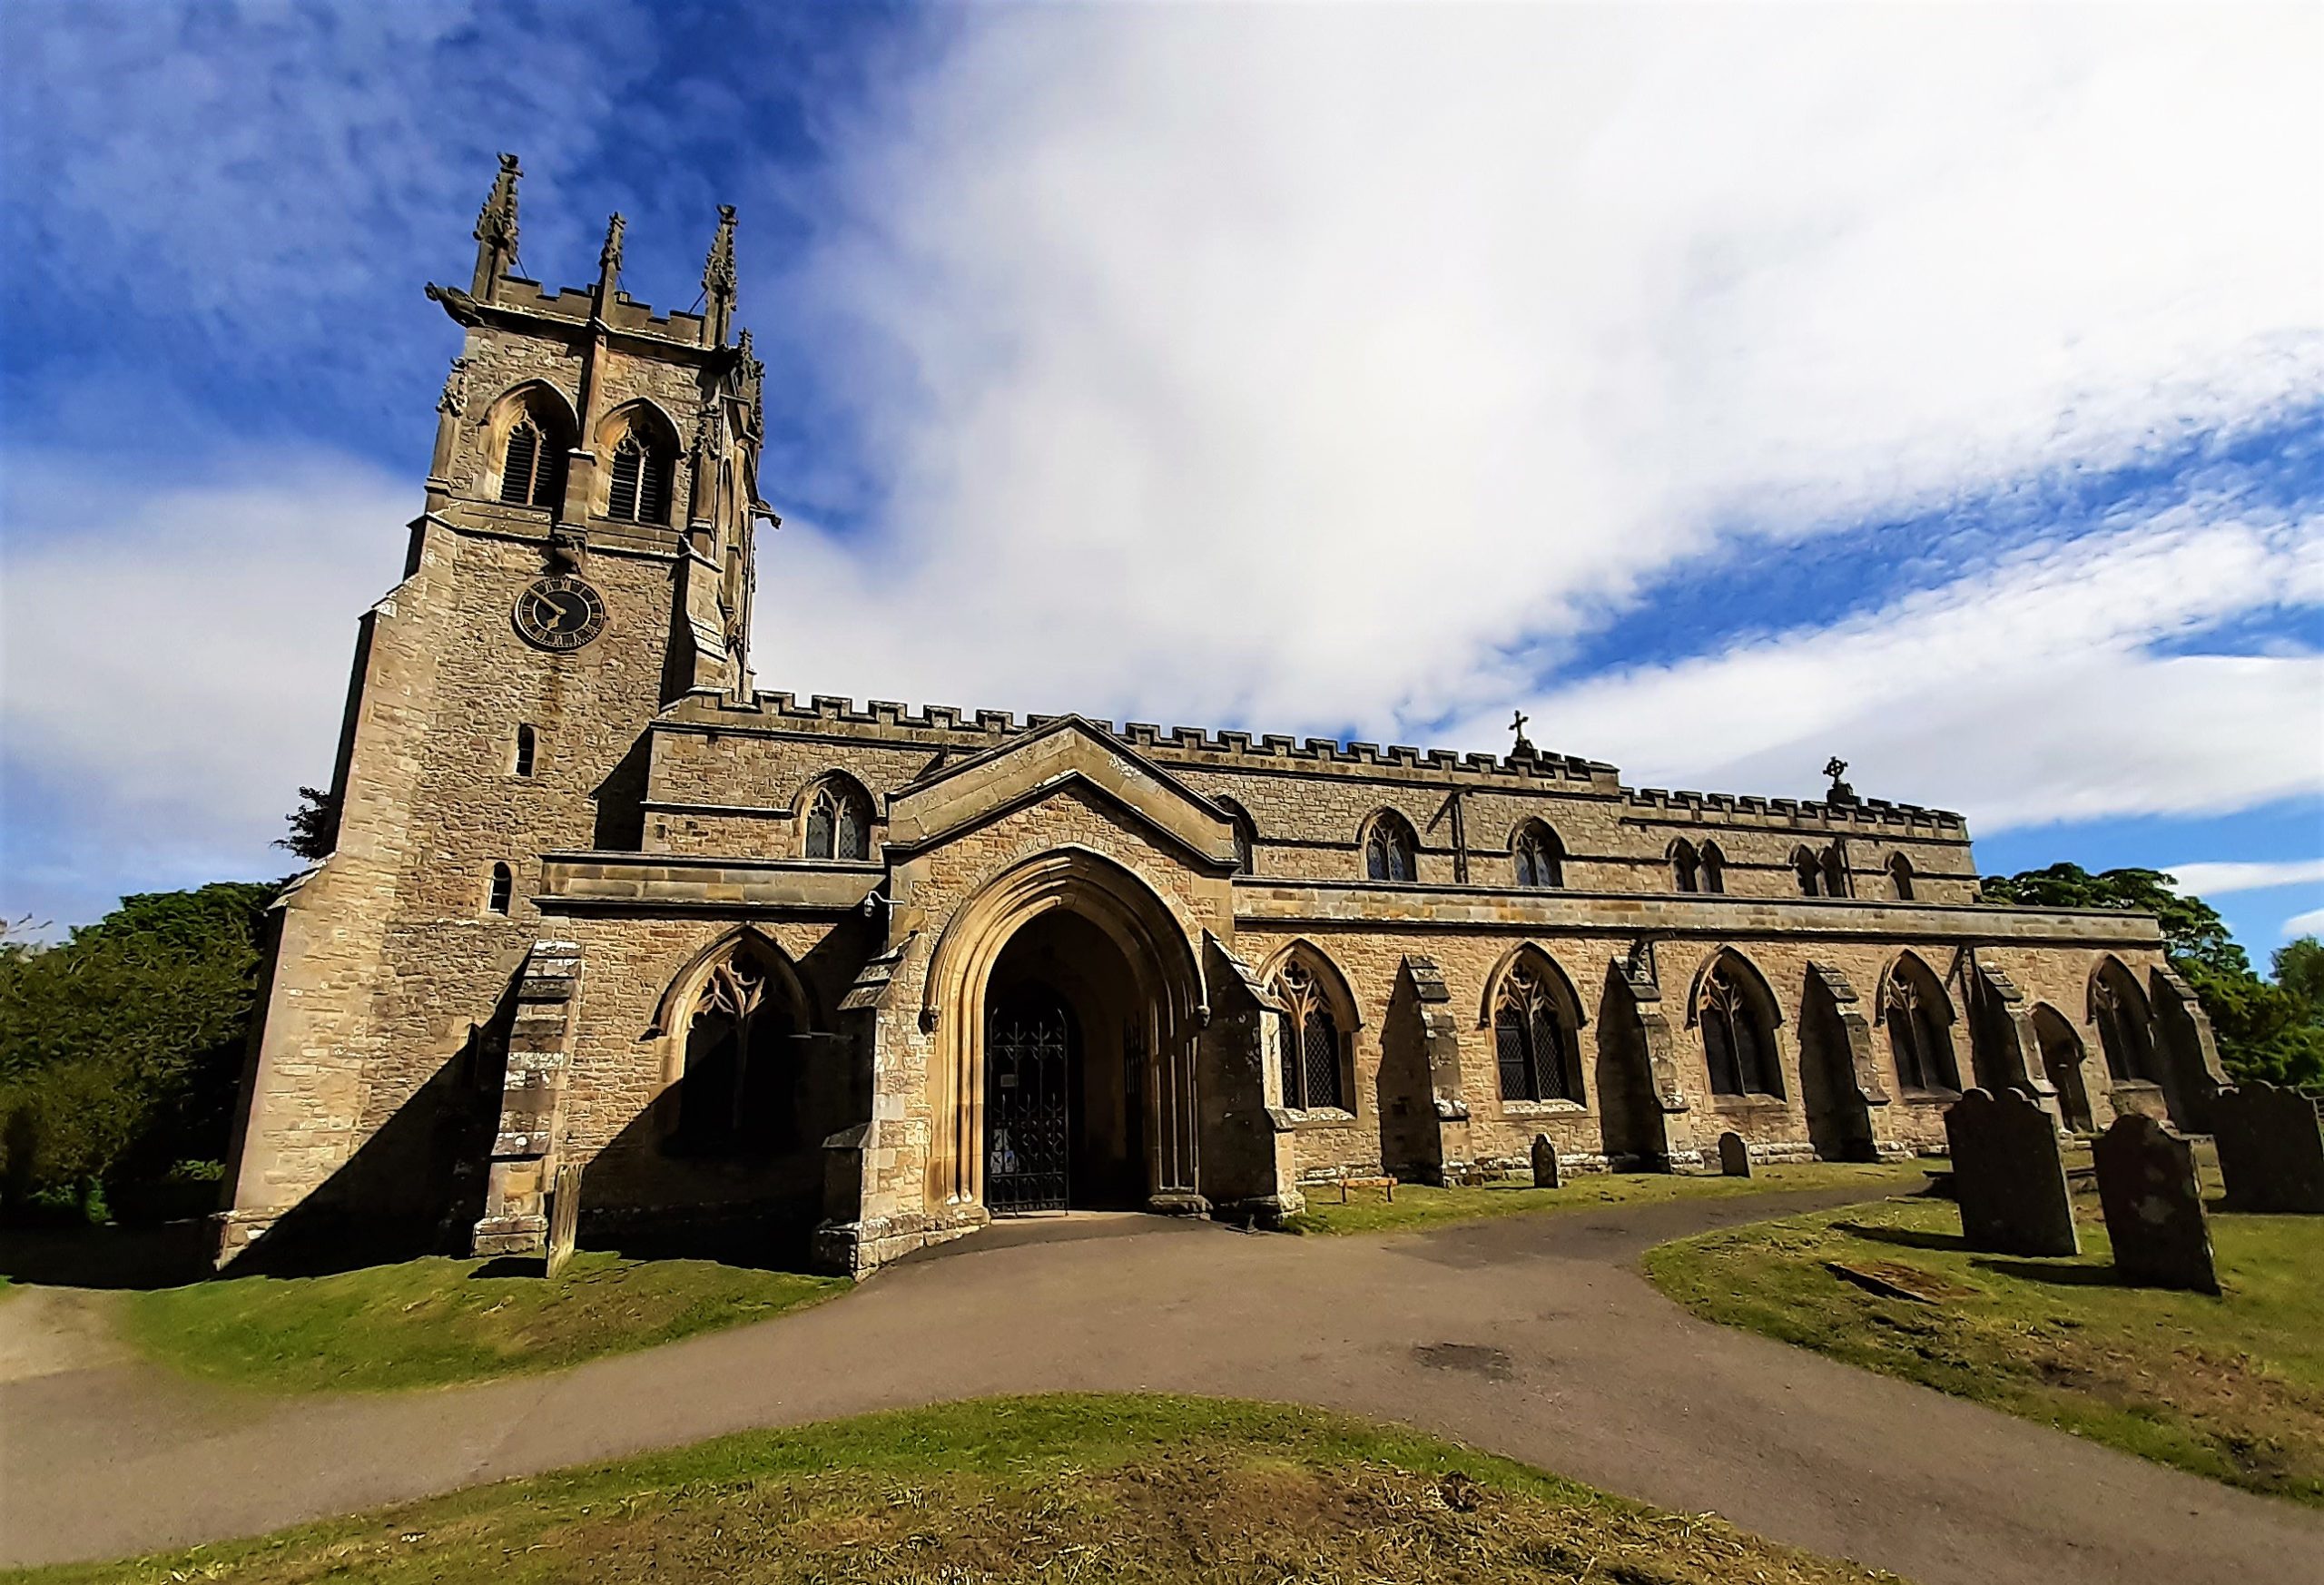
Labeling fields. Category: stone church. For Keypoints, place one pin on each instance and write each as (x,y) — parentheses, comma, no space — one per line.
(869,975)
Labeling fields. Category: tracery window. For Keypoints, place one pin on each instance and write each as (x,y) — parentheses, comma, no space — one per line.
(838,821)
(2122,1033)
(640,487)
(740,1085)
(532,467)
(1835,872)
(1900,877)
(1530,1040)
(1311,1045)
(503,889)
(1541,858)
(1916,1034)
(1686,866)
(1390,848)
(1714,868)
(1738,1043)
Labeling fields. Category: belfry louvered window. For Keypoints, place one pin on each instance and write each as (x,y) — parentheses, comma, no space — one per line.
(640,490)
(532,474)
(1529,1040)
(1311,1045)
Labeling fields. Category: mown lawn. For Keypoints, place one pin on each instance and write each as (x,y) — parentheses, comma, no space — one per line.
(426,1323)
(1369,1210)
(2229,1387)
(1127,1491)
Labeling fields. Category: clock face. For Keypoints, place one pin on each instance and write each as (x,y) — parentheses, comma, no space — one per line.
(560,613)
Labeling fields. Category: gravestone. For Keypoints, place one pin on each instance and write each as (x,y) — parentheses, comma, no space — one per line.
(564,1217)
(2154,1206)
(1545,1162)
(1734,1155)
(2270,1149)
(2008,1175)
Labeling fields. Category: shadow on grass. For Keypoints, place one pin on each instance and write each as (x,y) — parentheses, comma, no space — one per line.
(79,1255)
(2056,1275)
(1908,1237)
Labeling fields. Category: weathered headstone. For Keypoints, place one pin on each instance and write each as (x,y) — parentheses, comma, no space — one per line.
(1545,1162)
(2154,1206)
(564,1217)
(2270,1149)
(1734,1155)
(2008,1175)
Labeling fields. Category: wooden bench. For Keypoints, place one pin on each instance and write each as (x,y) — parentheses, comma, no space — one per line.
(1379,1183)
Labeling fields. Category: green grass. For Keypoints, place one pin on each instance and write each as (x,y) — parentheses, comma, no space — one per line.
(426,1323)
(1418,1205)
(1127,1491)
(2229,1387)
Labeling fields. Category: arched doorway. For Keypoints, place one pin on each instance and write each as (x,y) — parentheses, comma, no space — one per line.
(1065,1072)
(1077,929)
(2061,1062)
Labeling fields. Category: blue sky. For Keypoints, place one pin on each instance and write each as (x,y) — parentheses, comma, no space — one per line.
(1727,389)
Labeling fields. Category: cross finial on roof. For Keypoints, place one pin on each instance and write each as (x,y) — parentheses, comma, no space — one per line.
(1521,749)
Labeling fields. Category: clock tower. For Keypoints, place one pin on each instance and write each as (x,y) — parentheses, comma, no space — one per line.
(583,561)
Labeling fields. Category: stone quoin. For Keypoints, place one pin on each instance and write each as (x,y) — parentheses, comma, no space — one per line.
(869,975)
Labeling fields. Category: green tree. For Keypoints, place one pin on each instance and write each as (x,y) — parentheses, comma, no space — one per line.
(2272,1031)
(121,1048)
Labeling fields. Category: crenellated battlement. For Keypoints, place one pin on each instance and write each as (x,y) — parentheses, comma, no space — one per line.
(950,727)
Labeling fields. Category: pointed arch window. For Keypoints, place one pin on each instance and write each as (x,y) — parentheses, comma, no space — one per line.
(1541,858)
(503,891)
(2123,1036)
(1686,866)
(1811,873)
(1917,1036)
(1389,850)
(1714,868)
(1739,1040)
(740,1092)
(1530,1043)
(1311,1043)
(640,487)
(1900,877)
(1835,872)
(838,821)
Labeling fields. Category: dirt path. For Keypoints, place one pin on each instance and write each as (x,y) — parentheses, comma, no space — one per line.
(1529,1336)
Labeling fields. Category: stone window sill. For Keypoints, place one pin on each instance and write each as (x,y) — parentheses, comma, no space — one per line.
(1749,1103)
(1928,1097)
(1517,1109)
(1296,1119)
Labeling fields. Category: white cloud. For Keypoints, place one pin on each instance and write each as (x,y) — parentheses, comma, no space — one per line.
(2305,924)
(2219,879)
(173,659)
(2022,695)
(1307,367)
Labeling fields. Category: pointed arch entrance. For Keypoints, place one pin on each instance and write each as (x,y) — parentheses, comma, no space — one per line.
(1065,1000)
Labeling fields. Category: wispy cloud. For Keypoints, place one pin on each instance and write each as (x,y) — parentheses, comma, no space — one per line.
(2219,879)
(2305,924)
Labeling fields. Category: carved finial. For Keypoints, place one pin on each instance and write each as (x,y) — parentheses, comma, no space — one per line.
(718,280)
(496,230)
(1841,793)
(1523,748)
(609,258)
